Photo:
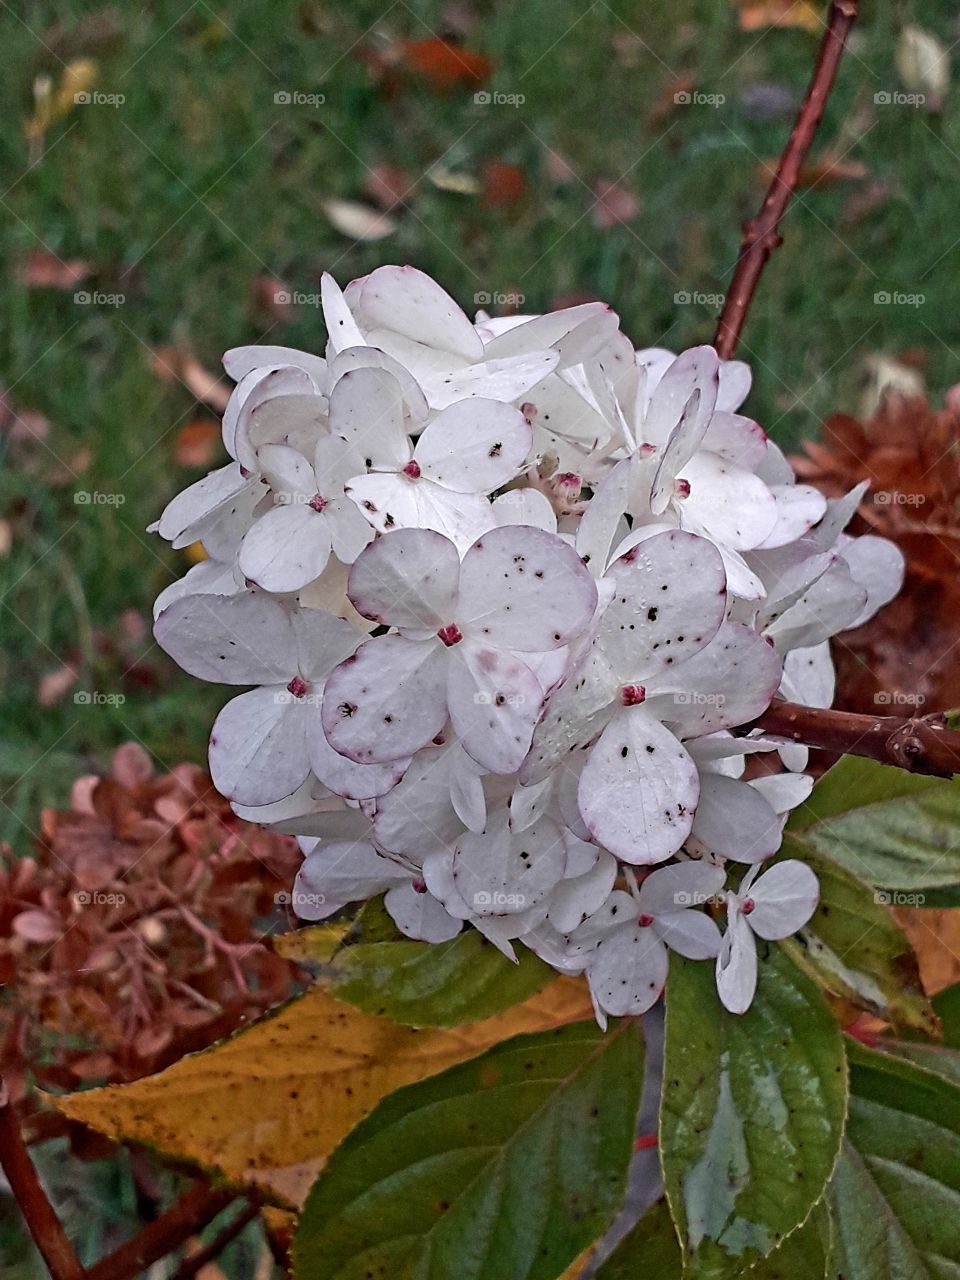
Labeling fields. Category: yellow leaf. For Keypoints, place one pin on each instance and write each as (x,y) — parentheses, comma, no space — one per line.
(756,14)
(51,104)
(317,944)
(269,1105)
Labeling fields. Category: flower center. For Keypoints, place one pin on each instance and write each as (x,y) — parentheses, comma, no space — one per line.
(317,502)
(631,695)
(644,920)
(419,885)
(450,634)
(747,906)
(681,488)
(298,687)
(412,469)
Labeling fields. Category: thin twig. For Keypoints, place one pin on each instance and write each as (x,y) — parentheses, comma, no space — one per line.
(38,1213)
(761,234)
(194,1210)
(919,744)
(196,1261)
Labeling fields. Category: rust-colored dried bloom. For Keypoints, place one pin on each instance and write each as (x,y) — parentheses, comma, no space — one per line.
(137,932)
(910,453)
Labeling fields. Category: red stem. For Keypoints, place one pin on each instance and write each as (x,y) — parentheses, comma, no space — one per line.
(917,744)
(39,1214)
(194,1210)
(761,234)
(197,1261)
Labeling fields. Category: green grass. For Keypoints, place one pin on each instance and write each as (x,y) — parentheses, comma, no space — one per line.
(199,181)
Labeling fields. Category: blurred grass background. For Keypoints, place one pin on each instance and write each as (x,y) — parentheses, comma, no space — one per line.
(201,181)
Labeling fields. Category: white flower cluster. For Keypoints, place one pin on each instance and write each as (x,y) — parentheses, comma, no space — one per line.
(504,591)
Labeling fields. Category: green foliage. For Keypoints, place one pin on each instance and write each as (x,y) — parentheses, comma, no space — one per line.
(897,830)
(510,1164)
(419,984)
(855,948)
(895,1191)
(752,1113)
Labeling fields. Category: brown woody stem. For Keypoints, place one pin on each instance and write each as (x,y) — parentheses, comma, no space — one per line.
(38,1213)
(917,744)
(197,1261)
(761,234)
(194,1210)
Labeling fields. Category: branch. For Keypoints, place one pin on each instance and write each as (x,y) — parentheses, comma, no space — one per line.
(197,1261)
(761,234)
(194,1210)
(38,1213)
(921,744)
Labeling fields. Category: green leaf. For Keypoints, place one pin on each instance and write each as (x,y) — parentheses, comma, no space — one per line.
(508,1165)
(419,984)
(752,1112)
(895,829)
(652,1249)
(855,947)
(896,1189)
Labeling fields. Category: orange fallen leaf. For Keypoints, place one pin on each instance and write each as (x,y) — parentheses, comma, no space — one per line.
(387,184)
(756,14)
(443,65)
(197,444)
(830,170)
(273,296)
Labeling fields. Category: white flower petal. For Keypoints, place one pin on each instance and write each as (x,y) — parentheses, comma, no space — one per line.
(407,579)
(286,548)
(239,639)
(638,790)
(628,971)
(737,962)
(494,701)
(785,897)
(475,446)
(734,820)
(338,872)
(420,916)
(258,750)
(693,934)
(366,408)
(387,701)
(670,600)
(505,380)
(524,589)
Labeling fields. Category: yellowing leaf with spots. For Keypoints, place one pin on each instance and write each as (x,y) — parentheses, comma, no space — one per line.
(270,1104)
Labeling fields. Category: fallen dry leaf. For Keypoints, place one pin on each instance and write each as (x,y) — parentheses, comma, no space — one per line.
(52,102)
(612,204)
(829,170)
(273,296)
(444,65)
(270,1104)
(55,685)
(923,64)
(503,184)
(197,444)
(461,184)
(43,269)
(756,14)
(935,937)
(387,184)
(358,221)
(177,364)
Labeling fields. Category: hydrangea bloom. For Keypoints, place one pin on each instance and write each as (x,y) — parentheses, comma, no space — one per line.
(508,595)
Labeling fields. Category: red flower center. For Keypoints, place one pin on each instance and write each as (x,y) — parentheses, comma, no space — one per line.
(450,634)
